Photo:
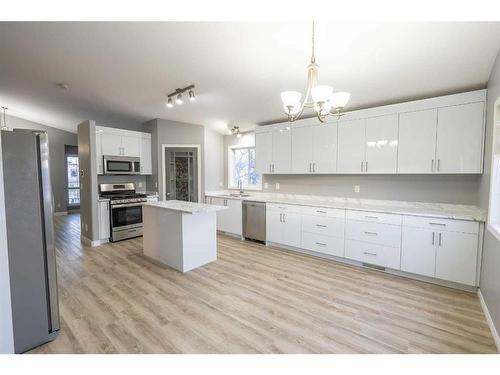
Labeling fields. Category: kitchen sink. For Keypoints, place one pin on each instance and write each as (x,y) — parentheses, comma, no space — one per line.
(239,195)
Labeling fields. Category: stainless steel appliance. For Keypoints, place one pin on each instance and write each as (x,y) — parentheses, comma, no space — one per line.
(121,165)
(125,208)
(30,238)
(254,220)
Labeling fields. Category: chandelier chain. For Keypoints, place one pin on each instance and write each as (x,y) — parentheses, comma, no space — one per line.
(313,58)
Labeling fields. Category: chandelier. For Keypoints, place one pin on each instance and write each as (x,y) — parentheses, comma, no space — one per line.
(320,98)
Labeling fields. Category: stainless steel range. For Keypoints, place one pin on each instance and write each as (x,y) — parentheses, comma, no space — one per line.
(126,210)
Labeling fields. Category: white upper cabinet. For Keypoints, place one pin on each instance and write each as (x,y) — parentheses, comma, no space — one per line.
(98,152)
(417,141)
(111,144)
(460,138)
(435,135)
(282,149)
(324,148)
(302,149)
(146,164)
(351,146)
(381,144)
(131,146)
(264,151)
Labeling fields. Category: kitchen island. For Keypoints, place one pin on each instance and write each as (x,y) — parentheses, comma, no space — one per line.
(179,234)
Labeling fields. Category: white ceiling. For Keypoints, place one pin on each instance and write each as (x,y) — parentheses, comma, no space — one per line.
(122,71)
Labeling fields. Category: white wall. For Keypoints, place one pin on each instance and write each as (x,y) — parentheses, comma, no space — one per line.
(6,329)
(214,160)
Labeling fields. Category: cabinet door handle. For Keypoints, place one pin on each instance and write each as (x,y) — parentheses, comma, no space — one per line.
(371,233)
(368,253)
(321,225)
(320,212)
(366,166)
(284,218)
(439,163)
(310,167)
(314,167)
(321,243)
(371,217)
(439,240)
(281,220)
(433,237)
(440,224)
(361,166)
(432,165)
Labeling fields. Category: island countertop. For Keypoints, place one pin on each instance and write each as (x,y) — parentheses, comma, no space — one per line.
(186,207)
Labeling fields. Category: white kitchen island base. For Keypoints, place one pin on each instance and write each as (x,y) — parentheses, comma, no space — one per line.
(181,235)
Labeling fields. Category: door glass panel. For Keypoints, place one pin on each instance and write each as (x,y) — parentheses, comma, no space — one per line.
(181,174)
(73,178)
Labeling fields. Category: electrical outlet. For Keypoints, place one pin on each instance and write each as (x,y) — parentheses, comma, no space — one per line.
(277,185)
(356,188)
(139,184)
(156,184)
(266,185)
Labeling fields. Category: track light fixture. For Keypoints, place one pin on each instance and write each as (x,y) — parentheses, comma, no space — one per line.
(177,96)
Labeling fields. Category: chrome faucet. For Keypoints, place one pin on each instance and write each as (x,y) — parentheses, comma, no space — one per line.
(240,187)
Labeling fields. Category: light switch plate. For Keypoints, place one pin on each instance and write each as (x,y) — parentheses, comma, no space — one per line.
(156,184)
(139,184)
(277,185)
(356,188)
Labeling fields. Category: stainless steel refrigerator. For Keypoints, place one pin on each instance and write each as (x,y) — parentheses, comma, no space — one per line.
(30,238)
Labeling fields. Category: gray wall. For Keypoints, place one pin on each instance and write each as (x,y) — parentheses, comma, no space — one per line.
(57,139)
(173,132)
(490,272)
(88,182)
(6,329)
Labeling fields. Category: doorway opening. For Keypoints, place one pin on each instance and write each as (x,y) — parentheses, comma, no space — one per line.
(181,170)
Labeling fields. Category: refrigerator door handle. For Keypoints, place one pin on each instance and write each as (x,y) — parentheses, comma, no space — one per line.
(48,230)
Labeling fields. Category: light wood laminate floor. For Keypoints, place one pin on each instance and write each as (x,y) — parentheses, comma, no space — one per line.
(253,299)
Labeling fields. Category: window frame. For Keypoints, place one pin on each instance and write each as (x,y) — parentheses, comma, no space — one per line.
(68,188)
(493,220)
(230,165)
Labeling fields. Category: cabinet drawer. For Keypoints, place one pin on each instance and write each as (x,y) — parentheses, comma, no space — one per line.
(382,234)
(449,225)
(325,212)
(323,244)
(374,217)
(282,207)
(379,255)
(323,225)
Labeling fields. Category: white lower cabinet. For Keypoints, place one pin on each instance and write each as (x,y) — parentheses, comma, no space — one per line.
(104,225)
(230,220)
(441,253)
(379,255)
(283,223)
(321,243)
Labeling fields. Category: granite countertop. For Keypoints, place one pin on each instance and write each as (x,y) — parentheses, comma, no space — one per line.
(186,207)
(438,210)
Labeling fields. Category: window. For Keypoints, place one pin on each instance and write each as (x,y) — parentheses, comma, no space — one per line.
(73,178)
(242,168)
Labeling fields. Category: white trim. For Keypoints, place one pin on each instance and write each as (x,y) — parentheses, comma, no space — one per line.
(90,243)
(199,161)
(494,229)
(493,329)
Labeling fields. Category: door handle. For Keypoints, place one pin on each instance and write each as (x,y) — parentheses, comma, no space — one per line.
(321,243)
(439,240)
(441,224)
(366,166)
(310,167)
(284,218)
(432,165)
(371,233)
(314,167)
(368,253)
(361,166)
(433,237)
(321,225)
(439,162)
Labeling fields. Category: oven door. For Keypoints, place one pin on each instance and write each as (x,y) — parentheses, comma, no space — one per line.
(124,216)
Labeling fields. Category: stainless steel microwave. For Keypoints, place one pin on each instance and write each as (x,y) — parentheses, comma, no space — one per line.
(121,165)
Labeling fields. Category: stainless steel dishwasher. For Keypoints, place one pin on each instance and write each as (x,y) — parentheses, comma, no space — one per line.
(254,220)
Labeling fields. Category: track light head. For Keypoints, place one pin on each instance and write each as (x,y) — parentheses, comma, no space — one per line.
(179,100)
(192,98)
(170,103)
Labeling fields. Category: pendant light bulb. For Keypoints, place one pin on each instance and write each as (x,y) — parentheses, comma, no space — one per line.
(179,101)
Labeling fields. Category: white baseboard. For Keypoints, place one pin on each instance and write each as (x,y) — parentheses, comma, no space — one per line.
(61,213)
(91,243)
(493,329)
